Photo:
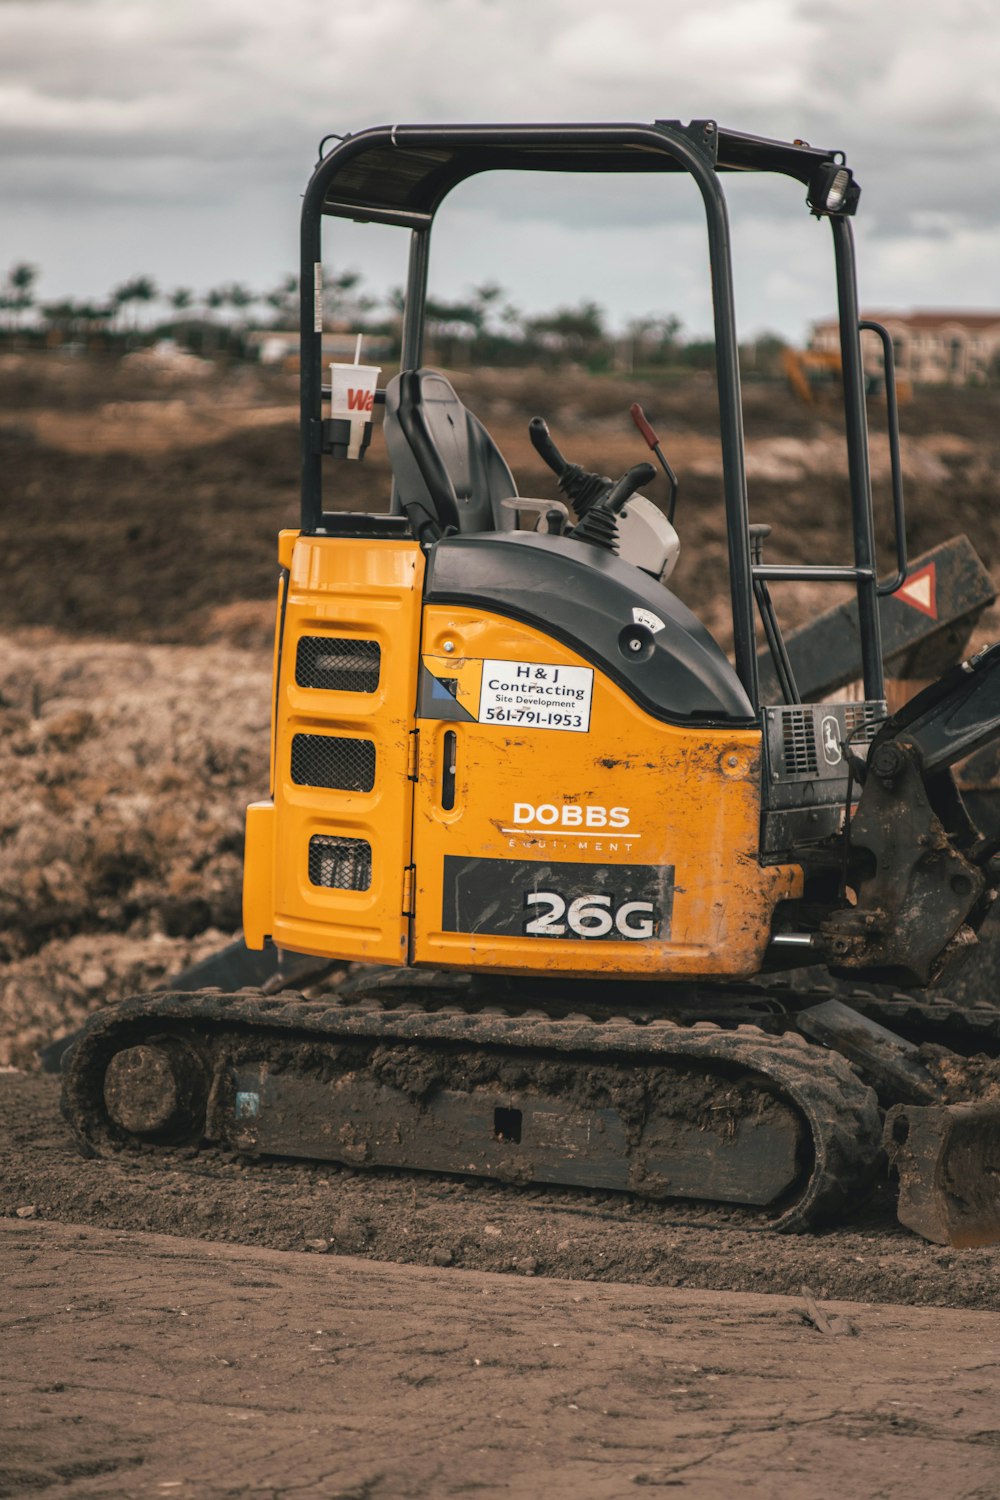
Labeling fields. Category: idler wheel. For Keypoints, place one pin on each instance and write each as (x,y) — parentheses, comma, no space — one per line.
(157,1088)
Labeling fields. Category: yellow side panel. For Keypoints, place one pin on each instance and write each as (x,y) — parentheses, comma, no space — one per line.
(327,862)
(585,836)
(258,874)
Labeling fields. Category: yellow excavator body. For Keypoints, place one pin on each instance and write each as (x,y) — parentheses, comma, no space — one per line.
(510,809)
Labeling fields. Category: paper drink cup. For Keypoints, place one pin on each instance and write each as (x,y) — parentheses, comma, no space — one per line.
(352,394)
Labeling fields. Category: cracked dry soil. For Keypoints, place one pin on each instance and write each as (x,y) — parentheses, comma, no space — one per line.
(141,1365)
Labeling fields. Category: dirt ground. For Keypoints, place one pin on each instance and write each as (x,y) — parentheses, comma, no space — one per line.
(141,506)
(140,1365)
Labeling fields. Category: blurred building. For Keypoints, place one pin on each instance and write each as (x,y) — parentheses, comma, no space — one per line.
(930,348)
(273,346)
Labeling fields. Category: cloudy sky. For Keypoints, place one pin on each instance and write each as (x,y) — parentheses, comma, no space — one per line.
(173,138)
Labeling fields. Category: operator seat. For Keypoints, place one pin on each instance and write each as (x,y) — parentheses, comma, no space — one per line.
(449,473)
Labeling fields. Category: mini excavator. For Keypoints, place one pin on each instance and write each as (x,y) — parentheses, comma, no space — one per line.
(571,854)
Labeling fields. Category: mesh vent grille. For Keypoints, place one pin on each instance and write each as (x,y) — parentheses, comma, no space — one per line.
(863,721)
(331,761)
(798,740)
(340,864)
(337,664)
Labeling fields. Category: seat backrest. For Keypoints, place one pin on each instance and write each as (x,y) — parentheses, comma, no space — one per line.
(446,466)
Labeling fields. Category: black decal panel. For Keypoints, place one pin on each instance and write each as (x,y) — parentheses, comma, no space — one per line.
(557,899)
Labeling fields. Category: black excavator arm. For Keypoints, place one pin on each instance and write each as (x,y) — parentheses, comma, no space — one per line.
(954,717)
(920,876)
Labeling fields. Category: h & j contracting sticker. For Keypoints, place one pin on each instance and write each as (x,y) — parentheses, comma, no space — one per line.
(523,694)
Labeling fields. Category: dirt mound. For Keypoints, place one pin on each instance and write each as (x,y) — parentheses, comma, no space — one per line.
(125,773)
(138,509)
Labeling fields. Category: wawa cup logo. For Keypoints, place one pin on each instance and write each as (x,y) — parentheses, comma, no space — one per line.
(352,397)
(352,389)
(359,400)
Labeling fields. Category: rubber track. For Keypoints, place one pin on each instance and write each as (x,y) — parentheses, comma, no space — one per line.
(966,1029)
(841,1112)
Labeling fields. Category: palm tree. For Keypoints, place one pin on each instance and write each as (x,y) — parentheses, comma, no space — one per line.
(342,302)
(18,293)
(285,301)
(239,298)
(69,319)
(651,340)
(214,300)
(486,299)
(141,289)
(181,300)
(573,333)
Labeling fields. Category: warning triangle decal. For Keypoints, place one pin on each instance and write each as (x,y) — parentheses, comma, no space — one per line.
(920,591)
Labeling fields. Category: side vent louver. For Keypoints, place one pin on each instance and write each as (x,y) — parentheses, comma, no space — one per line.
(337,664)
(328,760)
(863,721)
(798,740)
(340,864)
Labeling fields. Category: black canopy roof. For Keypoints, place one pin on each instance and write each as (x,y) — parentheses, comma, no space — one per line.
(399,174)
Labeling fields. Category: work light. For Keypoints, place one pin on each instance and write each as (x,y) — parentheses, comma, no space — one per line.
(833,190)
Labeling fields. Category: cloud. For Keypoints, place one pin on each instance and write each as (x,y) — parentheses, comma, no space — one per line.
(202,116)
(749,52)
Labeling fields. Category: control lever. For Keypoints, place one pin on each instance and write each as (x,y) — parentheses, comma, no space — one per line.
(599,526)
(581,487)
(624,488)
(652,441)
(541,441)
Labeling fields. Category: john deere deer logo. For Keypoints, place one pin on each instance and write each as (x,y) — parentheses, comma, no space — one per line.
(830,732)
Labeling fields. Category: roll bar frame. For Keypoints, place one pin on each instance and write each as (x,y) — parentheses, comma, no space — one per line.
(401,174)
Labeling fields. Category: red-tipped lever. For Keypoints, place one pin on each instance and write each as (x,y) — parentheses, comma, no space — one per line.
(649,436)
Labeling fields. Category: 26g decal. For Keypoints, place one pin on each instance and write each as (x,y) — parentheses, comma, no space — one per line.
(590,916)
